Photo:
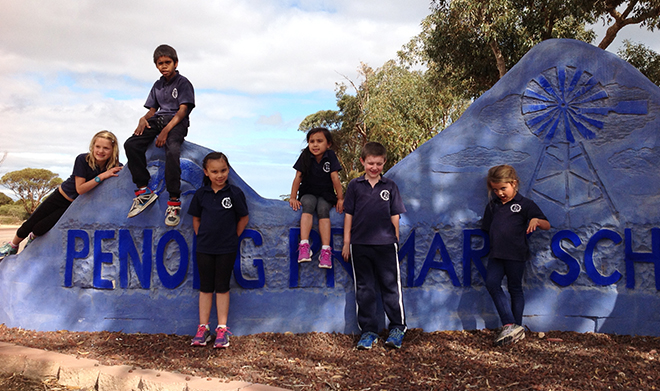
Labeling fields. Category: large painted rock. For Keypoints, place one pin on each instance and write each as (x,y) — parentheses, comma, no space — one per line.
(578,124)
(581,128)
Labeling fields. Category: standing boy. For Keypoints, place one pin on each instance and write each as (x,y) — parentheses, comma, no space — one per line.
(371,235)
(170,102)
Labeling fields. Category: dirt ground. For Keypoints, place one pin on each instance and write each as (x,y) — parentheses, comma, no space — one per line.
(448,360)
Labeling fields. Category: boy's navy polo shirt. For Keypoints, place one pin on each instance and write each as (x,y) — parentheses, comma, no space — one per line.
(318,181)
(372,210)
(82,169)
(507,225)
(168,96)
(219,212)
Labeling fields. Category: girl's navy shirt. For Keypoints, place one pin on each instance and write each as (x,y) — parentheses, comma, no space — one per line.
(318,181)
(372,209)
(219,213)
(507,225)
(82,169)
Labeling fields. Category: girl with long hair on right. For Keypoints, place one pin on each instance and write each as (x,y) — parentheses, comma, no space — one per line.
(509,218)
(316,188)
(220,213)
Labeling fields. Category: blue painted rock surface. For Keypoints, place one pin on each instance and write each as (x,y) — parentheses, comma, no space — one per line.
(579,125)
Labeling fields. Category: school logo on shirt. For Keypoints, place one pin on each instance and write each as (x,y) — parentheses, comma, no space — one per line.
(515,208)
(326,167)
(226,203)
(385,195)
(175,93)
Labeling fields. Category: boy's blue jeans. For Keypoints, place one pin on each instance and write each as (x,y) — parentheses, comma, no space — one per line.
(514,271)
(136,148)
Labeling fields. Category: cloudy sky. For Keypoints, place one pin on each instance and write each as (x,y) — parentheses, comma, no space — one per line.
(72,67)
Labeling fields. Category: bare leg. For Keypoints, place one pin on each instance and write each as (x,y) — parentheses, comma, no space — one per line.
(324,230)
(306,221)
(205,304)
(16,241)
(222,305)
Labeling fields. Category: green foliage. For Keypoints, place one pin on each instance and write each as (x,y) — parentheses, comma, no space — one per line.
(464,48)
(621,13)
(15,212)
(394,105)
(472,43)
(5,199)
(643,58)
(31,185)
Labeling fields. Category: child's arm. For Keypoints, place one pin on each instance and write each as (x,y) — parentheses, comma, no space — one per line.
(178,117)
(537,223)
(395,223)
(348,223)
(196,222)
(241,224)
(336,183)
(143,122)
(83,186)
(293,198)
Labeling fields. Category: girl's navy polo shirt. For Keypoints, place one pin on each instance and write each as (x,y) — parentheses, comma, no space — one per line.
(219,212)
(318,181)
(507,225)
(82,169)
(168,96)
(372,209)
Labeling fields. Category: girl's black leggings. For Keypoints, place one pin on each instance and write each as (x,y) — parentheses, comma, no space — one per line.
(45,216)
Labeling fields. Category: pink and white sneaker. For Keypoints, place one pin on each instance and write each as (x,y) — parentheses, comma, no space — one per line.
(325,259)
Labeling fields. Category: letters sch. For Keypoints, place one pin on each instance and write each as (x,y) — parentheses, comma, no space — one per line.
(141,262)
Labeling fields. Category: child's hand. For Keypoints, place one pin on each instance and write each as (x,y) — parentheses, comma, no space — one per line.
(340,206)
(162,138)
(112,172)
(294,203)
(346,251)
(533,224)
(142,123)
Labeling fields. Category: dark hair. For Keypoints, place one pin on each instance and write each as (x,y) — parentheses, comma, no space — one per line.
(306,154)
(373,148)
(165,51)
(213,156)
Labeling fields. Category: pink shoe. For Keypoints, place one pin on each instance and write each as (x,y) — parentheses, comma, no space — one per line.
(325,259)
(304,253)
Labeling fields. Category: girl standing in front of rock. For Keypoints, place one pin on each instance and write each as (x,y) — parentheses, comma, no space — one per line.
(508,218)
(220,214)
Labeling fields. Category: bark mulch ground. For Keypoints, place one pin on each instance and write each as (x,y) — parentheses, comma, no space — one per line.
(447,360)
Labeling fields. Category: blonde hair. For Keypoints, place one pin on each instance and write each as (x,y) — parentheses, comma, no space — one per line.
(113,161)
(502,174)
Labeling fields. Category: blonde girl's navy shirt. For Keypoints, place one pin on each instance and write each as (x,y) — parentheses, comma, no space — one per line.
(219,212)
(82,169)
(372,210)
(507,224)
(317,181)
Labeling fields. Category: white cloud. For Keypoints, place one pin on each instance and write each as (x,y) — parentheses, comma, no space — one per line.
(73,67)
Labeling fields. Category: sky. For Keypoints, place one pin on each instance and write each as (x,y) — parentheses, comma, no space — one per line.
(73,67)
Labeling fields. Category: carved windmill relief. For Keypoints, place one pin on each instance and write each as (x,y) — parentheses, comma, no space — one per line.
(560,106)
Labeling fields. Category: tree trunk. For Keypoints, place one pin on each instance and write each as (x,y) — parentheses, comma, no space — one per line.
(610,35)
(499,59)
